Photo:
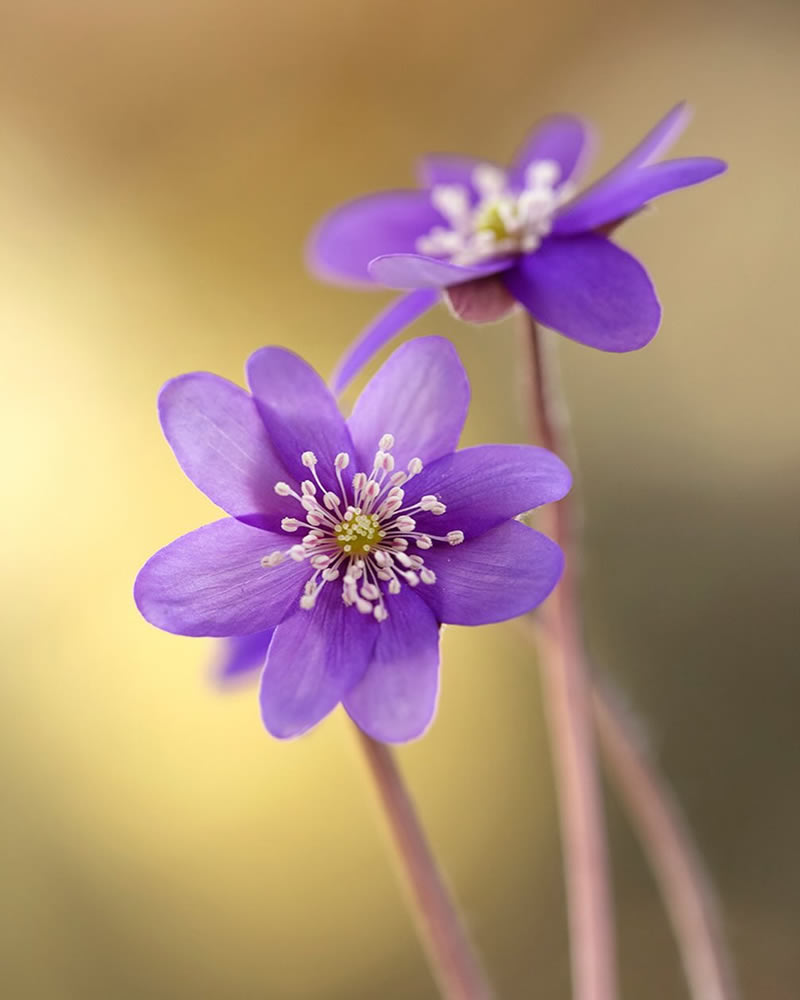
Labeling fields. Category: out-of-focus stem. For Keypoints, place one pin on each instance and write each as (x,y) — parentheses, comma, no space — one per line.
(451,955)
(667,842)
(567,700)
(652,808)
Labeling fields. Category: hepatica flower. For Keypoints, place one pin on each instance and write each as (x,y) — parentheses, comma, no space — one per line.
(489,237)
(348,542)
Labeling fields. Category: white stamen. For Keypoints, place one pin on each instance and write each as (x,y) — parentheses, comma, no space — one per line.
(505,220)
(364,539)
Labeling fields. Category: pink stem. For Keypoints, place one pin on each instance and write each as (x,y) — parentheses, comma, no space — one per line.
(452,958)
(666,840)
(567,699)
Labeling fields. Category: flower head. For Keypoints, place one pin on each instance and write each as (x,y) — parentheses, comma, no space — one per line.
(349,542)
(488,237)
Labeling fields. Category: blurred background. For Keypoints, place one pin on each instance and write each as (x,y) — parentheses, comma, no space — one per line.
(160,168)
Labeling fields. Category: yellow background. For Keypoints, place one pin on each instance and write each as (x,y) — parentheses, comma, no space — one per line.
(160,167)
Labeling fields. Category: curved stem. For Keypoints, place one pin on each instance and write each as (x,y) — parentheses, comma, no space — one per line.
(451,956)
(666,840)
(567,700)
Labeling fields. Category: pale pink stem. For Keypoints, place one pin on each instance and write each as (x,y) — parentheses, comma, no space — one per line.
(666,840)
(567,701)
(451,955)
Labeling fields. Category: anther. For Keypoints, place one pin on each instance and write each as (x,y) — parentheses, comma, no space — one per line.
(290,524)
(283,489)
(273,559)
(455,537)
(415,467)
(386,443)
(427,575)
(342,460)
(309,459)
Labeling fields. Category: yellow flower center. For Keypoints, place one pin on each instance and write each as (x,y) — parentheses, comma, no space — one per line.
(358,534)
(491,221)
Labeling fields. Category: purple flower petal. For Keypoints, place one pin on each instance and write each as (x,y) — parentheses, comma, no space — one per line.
(346,240)
(563,138)
(413,270)
(484,486)
(395,700)
(421,396)
(214,429)
(380,331)
(590,290)
(448,168)
(314,659)
(299,412)
(242,654)
(658,140)
(501,574)
(211,582)
(627,191)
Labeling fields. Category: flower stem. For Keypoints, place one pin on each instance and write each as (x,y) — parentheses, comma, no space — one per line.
(451,955)
(684,883)
(666,840)
(567,700)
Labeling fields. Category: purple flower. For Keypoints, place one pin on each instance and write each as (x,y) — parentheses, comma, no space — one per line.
(489,237)
(350,541)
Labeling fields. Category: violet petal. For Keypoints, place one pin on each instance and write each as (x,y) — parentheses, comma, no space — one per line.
(299,412)
(448,168)
(380,331)
(420,396)
(563,138)
(345,241)
(628,191)
(590,290)
(395,700)
(314,659)
(242,654)
(211,582)
(482,487)
(214,429)
(413,270)
(501,574)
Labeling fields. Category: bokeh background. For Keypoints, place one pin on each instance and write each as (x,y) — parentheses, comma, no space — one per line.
(160,167)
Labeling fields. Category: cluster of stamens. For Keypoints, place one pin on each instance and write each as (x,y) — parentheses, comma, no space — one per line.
(502,221)
(361,534)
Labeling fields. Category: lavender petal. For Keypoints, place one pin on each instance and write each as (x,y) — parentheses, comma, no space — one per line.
(420,396)
(314,659)
(482,487)
(211,582)
(503,573)
(346,240)
(390,322)
(395,700)
(590,290)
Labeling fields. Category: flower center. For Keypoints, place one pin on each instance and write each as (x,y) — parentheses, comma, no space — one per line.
(503,221)
(361,533)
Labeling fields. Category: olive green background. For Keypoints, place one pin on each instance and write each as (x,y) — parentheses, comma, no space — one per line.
(160,167)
